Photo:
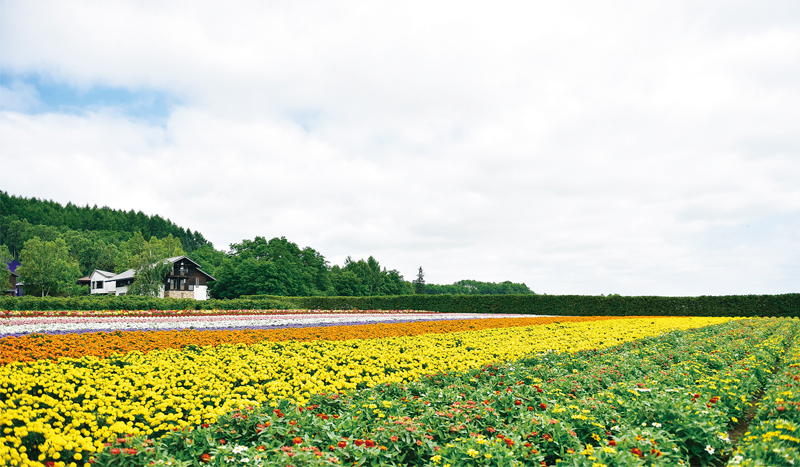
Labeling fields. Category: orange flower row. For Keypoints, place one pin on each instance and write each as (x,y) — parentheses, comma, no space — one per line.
(33,347)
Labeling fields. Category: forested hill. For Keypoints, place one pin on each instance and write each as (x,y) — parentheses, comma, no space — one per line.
(114,240)
(21,217)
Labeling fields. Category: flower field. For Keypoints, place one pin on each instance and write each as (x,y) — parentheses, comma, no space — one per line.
(393,389)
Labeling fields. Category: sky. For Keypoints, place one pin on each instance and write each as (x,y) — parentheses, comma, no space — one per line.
(580,147)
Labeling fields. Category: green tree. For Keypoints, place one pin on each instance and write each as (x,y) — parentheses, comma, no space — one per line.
(47,267)
(128,250)
(346,283)
(150,269)
(208,258)
(419,282)
(5,273)
(171,246)
(274,267)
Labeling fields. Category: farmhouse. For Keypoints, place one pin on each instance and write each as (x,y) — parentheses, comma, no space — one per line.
(14,286)
(184,280)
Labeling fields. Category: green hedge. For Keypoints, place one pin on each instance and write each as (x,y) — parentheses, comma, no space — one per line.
(787,305)
(570,305)
(130,302)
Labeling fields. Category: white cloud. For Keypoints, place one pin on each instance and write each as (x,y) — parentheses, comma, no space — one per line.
(578,147)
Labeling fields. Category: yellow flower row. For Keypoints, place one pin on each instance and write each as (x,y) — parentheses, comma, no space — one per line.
(74,405)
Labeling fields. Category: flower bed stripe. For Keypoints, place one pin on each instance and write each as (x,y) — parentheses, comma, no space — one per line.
(6,314)
(31,347)
(70,407)
(47,325)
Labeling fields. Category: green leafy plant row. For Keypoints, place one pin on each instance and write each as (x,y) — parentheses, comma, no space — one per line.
(663,401)
(774,434)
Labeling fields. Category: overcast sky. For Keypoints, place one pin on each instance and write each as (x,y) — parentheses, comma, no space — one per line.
(580,147)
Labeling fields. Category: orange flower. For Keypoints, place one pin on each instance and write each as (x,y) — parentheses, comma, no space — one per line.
(34,347)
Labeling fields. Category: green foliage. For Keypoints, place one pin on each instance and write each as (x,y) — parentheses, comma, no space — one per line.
(48,218)
(137,251)
(274,267)
(366,278)
(208,258)
(47,269)
(133,302)
(5,273)
(419,282)
(468,287)
(787,305)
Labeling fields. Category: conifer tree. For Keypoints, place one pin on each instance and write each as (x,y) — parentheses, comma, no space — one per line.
(419,282)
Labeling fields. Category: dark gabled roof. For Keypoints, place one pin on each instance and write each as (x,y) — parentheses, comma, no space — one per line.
(175,259)
(130,272)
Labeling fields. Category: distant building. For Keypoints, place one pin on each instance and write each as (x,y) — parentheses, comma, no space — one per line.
(185,280)
(14,288)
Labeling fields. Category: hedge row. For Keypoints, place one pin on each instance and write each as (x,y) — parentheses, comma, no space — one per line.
(787,305)
(131,302)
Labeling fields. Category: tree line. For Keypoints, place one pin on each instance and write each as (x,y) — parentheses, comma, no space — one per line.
(58,244)
(22,218)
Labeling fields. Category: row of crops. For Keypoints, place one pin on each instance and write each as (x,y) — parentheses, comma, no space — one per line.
(492,391)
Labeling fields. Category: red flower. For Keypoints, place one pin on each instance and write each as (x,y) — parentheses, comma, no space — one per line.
(637,451)
(393,438)
(115,451)
(358,442)
(205,425)
(517,402)
(131,451)
(369,443)
(342,444)
(530,408)
(543,406)
(206,458)
(261,448)
(612,443)
(297,440)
